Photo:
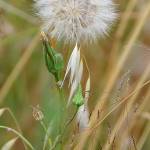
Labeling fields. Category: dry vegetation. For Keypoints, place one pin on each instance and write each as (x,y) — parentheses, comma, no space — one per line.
(119,101)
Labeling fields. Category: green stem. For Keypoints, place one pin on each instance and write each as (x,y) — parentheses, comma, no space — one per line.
(45,129)
(69,122)
(16,122)
(17,133)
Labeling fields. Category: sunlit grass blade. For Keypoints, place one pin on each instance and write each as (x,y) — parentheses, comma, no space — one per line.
(9,144)
(18,134)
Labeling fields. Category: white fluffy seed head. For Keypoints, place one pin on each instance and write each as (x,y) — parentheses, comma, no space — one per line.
(76,20)
(83,117)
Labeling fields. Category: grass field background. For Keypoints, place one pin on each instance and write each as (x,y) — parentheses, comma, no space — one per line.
(25,81)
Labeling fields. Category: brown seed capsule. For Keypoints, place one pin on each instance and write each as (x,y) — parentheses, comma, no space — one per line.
(37,113)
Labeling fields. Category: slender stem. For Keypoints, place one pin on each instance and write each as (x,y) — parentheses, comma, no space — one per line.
(18,68)
(18,12)
(59,138)
(17,133)
(69,122)
(112,80)
(62,100)
(16,122)
(45,129)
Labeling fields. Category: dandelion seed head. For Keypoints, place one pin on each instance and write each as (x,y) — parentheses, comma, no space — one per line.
(76,20)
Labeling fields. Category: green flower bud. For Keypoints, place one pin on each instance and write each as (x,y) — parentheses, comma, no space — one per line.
(54,60)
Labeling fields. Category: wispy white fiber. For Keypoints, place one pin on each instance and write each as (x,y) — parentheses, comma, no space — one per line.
(83,112)
(83,117)
(76,20)
(75,69)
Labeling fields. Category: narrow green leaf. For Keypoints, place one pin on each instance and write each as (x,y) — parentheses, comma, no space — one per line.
(47,137)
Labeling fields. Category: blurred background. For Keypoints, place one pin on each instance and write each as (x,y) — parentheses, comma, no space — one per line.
(26,83)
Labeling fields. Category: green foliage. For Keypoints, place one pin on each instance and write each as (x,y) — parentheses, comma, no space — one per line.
(34,86)
(54,60)
(78,98)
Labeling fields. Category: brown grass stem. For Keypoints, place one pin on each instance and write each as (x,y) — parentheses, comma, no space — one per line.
(129,107)
(132,123)
(10,8)
(120,32)
(126,51)
(87,132)
(144,136)
(18,68)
